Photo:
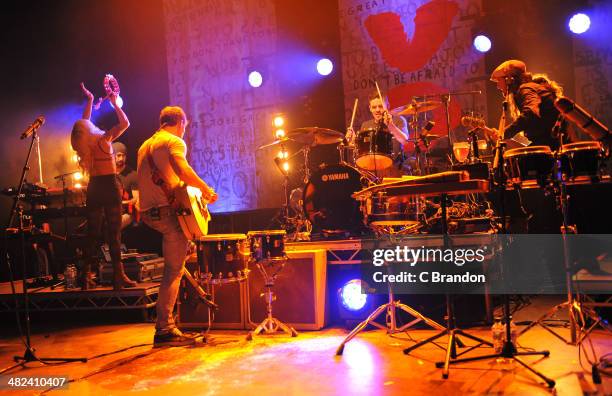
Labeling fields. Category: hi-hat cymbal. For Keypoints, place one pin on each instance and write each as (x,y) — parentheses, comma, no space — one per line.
(416,107)
(314,136)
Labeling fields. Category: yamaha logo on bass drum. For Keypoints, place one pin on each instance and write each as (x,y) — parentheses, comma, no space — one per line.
(335,176)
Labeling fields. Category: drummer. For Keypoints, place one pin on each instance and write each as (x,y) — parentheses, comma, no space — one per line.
(396,125)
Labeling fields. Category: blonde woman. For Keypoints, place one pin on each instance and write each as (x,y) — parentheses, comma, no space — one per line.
(103,191)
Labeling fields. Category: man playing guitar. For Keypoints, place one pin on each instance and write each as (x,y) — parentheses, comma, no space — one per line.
(162,168)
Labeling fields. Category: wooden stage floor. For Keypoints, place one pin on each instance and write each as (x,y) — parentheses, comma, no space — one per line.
(372,364)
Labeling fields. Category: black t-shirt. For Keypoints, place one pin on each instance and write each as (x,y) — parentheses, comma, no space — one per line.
(129,180)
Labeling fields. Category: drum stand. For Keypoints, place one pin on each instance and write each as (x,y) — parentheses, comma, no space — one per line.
(391,324)
(509,350)
(270,324)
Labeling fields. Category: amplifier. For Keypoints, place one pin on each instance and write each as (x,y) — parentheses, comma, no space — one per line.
(231,298)
(299,290)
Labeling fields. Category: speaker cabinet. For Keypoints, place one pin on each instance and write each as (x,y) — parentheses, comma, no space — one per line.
(299,290)
(230,297)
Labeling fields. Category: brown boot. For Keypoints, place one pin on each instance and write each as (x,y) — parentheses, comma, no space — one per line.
(120,279)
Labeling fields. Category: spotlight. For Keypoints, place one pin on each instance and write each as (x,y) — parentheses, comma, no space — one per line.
(78,176)
(482,43)
(255,79)
(75,158)
(278,121)
(279,133)
(283,154)
(579,23)
(286,166)
(325,66)
(78,186)
(351,296)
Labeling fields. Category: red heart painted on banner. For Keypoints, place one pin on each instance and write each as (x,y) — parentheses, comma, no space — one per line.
(432,25)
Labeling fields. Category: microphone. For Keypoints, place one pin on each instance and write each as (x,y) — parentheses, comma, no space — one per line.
(579,116)
(33,127)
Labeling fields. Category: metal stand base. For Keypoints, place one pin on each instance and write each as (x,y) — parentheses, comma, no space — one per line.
(391,326)
(270,324)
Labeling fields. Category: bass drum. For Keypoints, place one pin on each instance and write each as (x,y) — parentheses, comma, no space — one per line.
(327,199)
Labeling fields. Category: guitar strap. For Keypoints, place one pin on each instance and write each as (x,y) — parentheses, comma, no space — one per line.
(157,178)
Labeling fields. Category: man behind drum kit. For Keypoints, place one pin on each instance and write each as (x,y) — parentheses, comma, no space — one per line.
(162,165)
(396,125)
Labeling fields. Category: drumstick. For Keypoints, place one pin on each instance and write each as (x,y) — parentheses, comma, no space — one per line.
(354,111)
(381,98)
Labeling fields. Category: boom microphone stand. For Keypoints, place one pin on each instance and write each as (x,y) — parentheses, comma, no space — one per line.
(29,355)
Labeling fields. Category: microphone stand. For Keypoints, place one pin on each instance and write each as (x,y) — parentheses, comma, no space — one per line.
(29,353)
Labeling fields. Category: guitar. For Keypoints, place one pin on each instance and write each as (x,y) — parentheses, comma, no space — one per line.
(191,210)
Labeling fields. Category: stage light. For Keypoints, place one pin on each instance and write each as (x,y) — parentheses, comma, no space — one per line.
(255,79)
(351,296)
(279,133)
(482,43)
(286,166)
(78,176)
(325,66)
(75,158)
(579,23)
(78,186)
(278,121)
(283,154)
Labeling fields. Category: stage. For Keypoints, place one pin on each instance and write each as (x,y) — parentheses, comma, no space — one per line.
(372,364)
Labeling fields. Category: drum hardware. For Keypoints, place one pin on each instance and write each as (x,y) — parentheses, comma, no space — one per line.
(327,199)
(571,160)
(445,100)
(267,252)
(528,166)
(415,108)
(222,258)
(509,350)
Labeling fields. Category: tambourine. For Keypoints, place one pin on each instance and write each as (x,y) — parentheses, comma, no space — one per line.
(111,86)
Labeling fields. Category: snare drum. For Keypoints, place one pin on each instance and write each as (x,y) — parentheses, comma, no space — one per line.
(267,245)
(374,149)
(581,159)
(529,164)
(222,257)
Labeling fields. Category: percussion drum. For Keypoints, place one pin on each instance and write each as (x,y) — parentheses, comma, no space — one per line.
(267,245)
(581,159)
(381,210)
(374,149)
(327,198)
(529,164)
(222,257)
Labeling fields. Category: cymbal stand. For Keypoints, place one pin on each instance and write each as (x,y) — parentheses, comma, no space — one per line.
(390,307)
(29,354)
(509,350)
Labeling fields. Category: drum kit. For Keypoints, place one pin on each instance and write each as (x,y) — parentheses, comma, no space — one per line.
(225,258)
(326,202)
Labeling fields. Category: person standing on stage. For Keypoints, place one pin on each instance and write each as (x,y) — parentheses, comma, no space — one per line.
(531,103)
(129,183)
(162,165)
(93,146)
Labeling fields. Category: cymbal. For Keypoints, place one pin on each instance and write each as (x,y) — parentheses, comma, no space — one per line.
(274,143)
(314,136)
(416,107)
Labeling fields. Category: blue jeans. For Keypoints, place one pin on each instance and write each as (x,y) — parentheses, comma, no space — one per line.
(175,248)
